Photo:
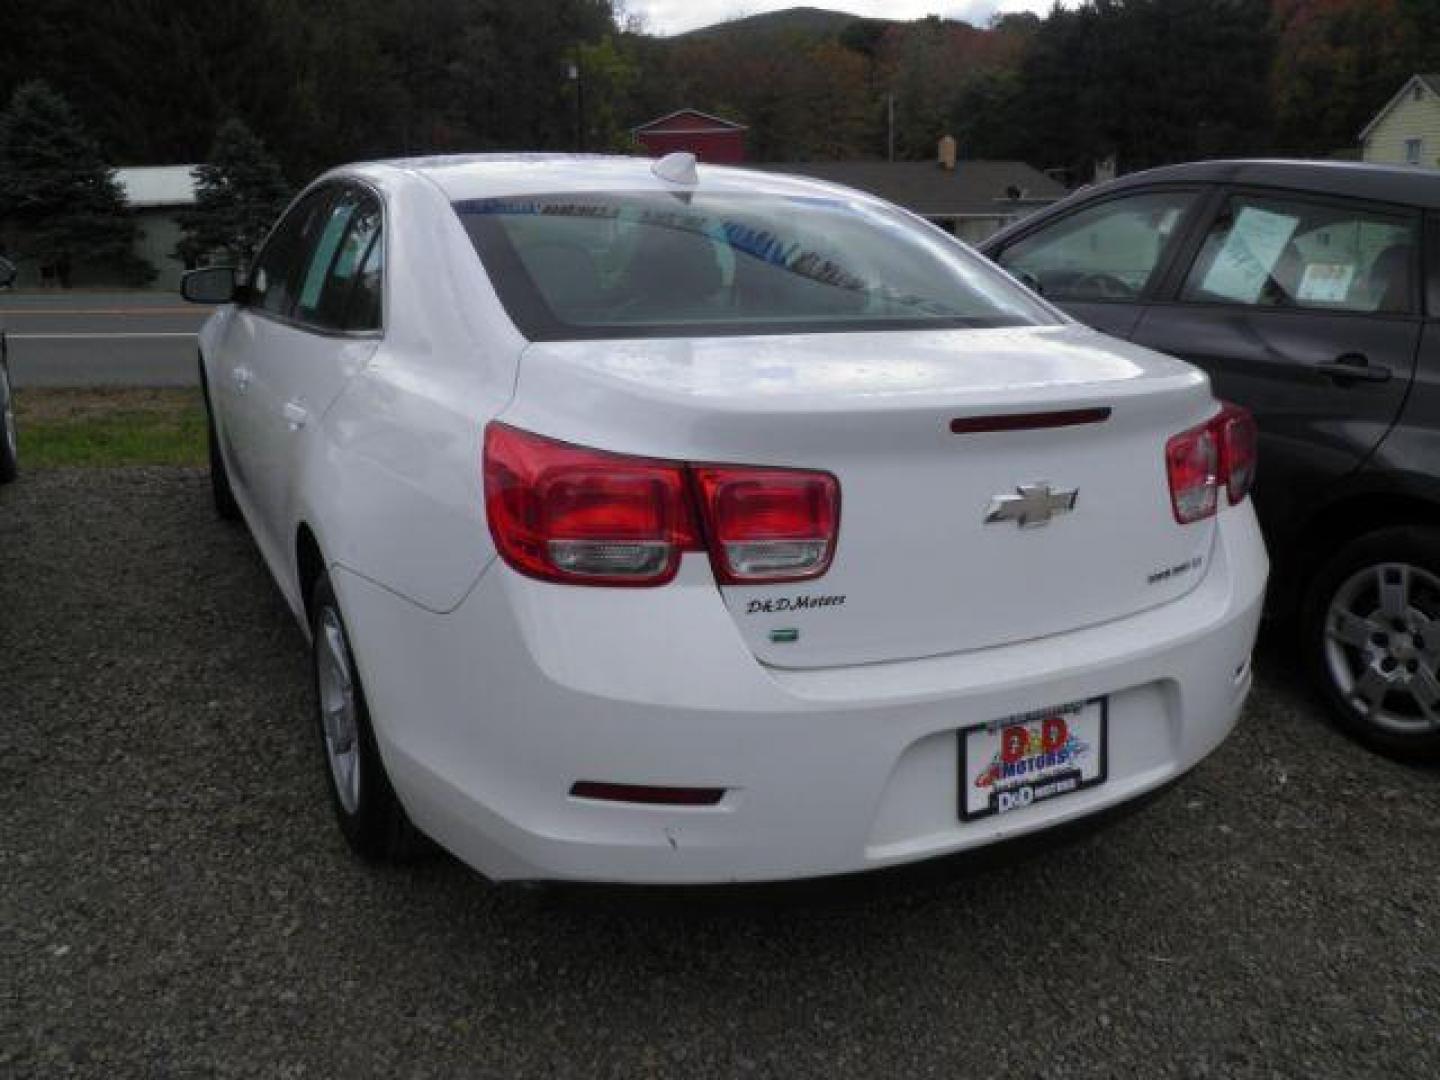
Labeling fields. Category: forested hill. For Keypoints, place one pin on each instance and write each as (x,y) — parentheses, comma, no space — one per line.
(809,21)
(1146,80)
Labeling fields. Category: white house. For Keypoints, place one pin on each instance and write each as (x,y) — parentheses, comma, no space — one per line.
(1407,130)
(155,194)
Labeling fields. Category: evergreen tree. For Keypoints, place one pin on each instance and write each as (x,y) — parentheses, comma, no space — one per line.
(61,204)
(238,194)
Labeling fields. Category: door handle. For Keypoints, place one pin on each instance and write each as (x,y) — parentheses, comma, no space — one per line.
(241,377)
(1352,368)
(295,415)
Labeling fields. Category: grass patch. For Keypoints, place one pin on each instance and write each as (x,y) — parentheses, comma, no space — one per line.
(107,427)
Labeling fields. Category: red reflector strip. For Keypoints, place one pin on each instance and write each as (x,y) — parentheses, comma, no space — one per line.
(975,425)
(642,793)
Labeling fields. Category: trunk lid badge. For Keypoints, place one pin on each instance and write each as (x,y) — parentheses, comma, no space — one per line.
(1033,505)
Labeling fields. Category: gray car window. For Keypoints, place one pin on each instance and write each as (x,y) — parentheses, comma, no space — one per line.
(1290,253)
(1108,251)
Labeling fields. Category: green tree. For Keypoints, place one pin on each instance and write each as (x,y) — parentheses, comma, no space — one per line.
(1151,81)
(322,82)
(1338,63)
(610,76)
(238,193)
(62,204)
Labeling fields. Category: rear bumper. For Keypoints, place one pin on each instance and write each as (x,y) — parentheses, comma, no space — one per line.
(487,715)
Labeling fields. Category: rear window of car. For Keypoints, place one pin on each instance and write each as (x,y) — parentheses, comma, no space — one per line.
(655,264)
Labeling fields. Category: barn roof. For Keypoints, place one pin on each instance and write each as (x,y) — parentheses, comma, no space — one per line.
(688,122)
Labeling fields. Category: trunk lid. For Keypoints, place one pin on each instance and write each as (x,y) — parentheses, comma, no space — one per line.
(918,571)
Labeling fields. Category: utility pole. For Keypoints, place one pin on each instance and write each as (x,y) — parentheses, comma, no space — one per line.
(577,77)
(890,126)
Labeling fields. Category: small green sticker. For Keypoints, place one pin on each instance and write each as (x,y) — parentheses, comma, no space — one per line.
(785,637)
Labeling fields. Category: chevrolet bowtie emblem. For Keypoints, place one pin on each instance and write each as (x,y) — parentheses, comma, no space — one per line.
(1035,505)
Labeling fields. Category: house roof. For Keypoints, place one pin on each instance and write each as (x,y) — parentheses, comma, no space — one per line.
(688,122)
(157,185)
(1431,82)
(973,188)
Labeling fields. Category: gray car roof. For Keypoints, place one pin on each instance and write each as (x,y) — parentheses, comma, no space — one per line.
(972,187)
(1407,184)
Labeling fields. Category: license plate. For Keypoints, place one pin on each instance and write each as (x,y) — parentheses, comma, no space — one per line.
(1019,761)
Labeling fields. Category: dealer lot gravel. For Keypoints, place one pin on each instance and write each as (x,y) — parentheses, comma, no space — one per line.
(172,902)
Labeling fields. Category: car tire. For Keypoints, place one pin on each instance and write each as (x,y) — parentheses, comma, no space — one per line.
(366,807)
(223,496)
(1370,639)
(9,440)
(226,508)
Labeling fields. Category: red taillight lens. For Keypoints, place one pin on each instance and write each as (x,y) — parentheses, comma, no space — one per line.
(1239,450)
(560,512)
(1222,451)
(565,513)
(1193,460)
(769,525)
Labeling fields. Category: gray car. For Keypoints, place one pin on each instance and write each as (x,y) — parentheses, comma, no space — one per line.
(1310,293)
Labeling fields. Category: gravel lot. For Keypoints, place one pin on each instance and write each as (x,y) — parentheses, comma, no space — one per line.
(174,900)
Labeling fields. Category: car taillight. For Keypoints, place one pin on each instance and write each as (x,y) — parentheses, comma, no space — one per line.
(566,513)
(768,525)
(1220,452)
(560,512)
(1239,450)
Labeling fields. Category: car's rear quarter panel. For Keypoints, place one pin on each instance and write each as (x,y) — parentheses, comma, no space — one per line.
(394,488)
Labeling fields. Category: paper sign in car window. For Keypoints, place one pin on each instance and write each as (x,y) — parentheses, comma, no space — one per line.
(1326,283)
(1253,246)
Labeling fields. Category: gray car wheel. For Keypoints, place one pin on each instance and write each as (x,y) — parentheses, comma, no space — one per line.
(1371,638)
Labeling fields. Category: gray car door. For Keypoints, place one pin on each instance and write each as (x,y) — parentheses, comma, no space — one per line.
(1307,311)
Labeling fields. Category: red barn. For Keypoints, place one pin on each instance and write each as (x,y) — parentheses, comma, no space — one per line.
(709,138)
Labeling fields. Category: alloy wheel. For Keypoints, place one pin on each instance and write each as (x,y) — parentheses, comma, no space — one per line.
(1382,647)
(338,710)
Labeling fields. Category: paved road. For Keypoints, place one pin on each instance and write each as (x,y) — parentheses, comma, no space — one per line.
(175,902)
(101,339)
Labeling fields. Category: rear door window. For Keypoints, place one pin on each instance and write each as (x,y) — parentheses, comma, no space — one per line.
(1319,256)
(334,266)
(365,307)
(1110,251)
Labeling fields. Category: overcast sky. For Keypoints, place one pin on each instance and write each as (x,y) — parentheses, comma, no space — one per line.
(676,16)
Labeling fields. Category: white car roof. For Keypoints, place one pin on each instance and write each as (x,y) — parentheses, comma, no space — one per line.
(482,176)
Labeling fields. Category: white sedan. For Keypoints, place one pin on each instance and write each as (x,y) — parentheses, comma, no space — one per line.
(664,524)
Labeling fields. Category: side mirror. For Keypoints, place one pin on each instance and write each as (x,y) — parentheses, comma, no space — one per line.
(213,285)
(7,273)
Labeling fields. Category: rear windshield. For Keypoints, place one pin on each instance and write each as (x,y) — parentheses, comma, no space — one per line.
(655,264)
